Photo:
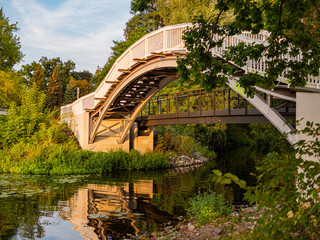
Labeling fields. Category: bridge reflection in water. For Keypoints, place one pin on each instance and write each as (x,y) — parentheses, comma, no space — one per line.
(102,211)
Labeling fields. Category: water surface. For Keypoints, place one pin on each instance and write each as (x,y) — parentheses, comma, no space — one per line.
(107,207)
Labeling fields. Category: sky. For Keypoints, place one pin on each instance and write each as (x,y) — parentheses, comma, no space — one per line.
(79,30)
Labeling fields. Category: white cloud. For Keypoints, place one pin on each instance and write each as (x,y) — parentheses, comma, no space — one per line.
(79,30)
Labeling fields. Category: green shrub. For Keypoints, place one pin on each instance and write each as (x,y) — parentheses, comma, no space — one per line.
(64,159)
(207,207)
(287,191)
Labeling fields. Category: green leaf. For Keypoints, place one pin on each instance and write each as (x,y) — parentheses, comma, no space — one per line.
(217,172)
(226,181)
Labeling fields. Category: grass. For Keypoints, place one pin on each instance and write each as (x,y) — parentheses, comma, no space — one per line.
(57,159)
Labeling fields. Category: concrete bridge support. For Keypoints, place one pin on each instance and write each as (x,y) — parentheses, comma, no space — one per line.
(141,139)
(308,109)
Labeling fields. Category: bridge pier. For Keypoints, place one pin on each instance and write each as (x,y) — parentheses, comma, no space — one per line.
(139,138)
(308,109)
(142,138)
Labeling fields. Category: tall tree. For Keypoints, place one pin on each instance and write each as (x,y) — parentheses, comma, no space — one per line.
(38,78)
(289,35)
(54,90)
(10,53)
(71,92)
(11,88)
(66,69)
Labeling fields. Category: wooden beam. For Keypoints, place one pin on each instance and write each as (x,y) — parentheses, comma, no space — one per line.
(146,85)
(89,110)
(140,60)
(133,99)
(118,112)
(103,98)
(124,70)
(111,82)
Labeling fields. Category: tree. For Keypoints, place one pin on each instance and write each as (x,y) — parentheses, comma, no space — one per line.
(38,78)
(289,34)
(23,121)
(11,88)
(66,69)
(180,11)
(10,53)
(71,92)
(54,90)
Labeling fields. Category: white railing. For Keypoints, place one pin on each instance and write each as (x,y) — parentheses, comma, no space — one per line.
(169,39)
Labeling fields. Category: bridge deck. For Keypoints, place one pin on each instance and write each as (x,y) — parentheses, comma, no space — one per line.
(241,115)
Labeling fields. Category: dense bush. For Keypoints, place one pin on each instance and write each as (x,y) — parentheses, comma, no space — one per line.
(287,192)
(178,143)
(63,159)
(207,207)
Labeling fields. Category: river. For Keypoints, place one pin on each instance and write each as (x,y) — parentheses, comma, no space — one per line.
(110,206)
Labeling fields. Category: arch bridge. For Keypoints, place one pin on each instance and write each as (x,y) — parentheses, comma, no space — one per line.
(108,117)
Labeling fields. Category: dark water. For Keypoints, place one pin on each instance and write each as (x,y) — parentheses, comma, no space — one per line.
(108,207)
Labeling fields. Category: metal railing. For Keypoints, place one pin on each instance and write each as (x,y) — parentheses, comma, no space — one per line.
(198,100)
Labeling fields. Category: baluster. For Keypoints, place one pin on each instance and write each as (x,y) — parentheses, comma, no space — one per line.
(229,101)
(177,105)
(199,102)
(224,99)
(158,105)
(188,102)
(167,105)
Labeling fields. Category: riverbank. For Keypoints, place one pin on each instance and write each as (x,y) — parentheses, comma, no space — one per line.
(55,159)
(235,226)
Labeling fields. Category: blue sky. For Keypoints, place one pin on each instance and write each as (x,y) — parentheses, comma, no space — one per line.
(80,30)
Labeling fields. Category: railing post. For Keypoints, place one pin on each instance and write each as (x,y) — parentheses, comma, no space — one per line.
(224,99)
(153,108)
(246,107)
(199,99)
(158,112)
(167,105)
(149,108)
(188,102)
(164,40)
(214,101)
(177,104)
(229,101)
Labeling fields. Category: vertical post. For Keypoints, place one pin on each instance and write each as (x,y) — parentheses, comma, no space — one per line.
(160,106)
(158,112)
(200,102)
(229,101)
(269,100)
(149,108)
(224,99)
(78,92)
(177,105)
(167,105)
(188,102)
(246,107)
(214,102)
